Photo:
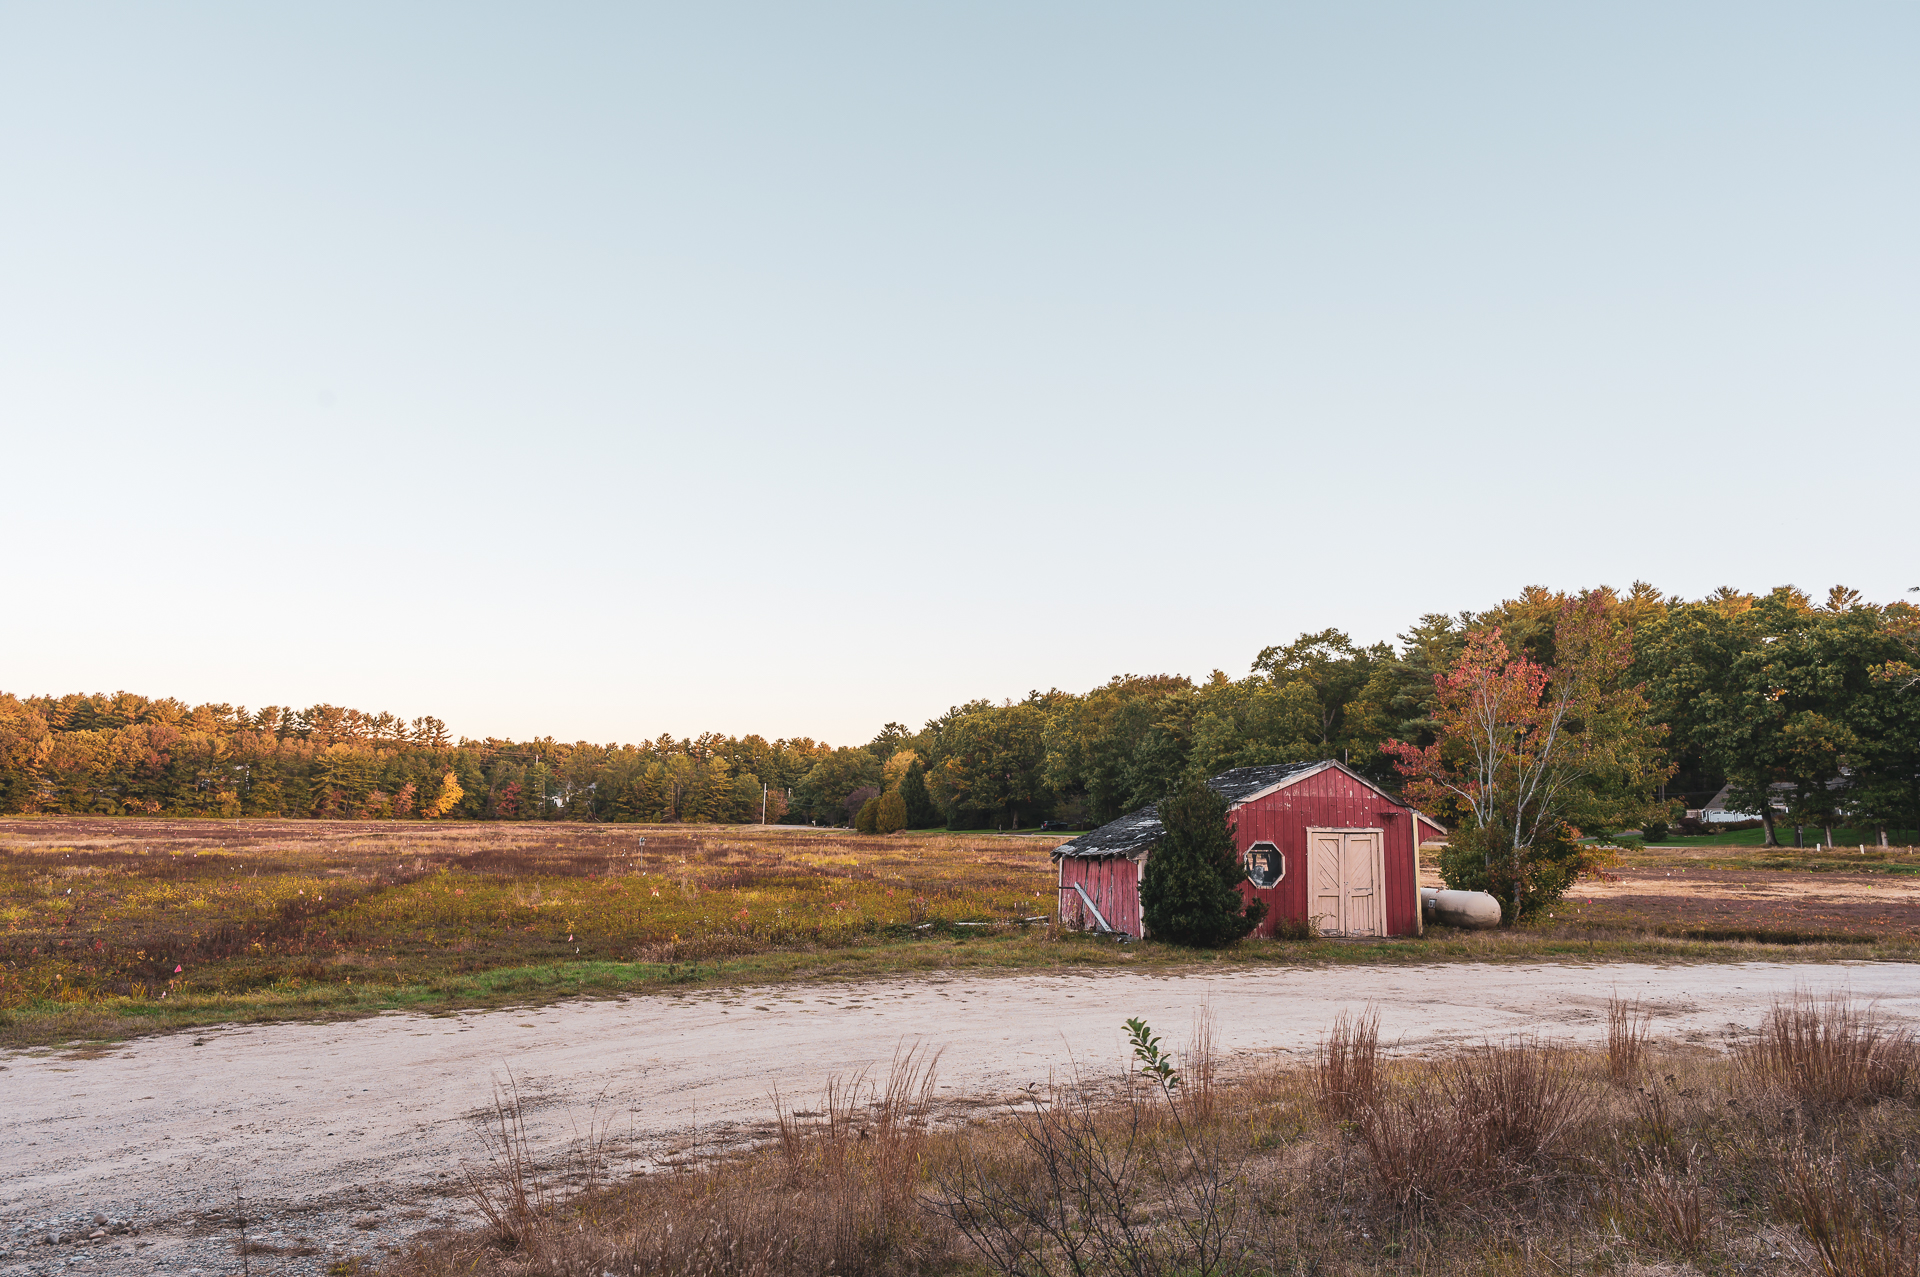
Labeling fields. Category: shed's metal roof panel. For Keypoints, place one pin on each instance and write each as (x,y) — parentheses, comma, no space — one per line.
(1138,830)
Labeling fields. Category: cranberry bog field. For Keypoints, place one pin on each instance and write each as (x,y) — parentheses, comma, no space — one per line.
(152,915)
(111,926)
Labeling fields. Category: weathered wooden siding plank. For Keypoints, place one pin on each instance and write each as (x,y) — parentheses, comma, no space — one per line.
(1111,882)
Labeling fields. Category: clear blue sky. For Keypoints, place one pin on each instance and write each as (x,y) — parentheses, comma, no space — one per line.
(606,370)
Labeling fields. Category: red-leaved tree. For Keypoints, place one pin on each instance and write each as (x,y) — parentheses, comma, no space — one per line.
(1525,751)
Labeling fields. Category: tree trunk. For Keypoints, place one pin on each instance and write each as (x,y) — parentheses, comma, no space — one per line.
(1766,819)
(1516,884)
(1799,837)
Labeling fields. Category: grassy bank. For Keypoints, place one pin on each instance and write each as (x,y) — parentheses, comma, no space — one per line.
(1009,952)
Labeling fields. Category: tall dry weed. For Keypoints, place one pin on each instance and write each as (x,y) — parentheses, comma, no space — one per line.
(886,1125)
(1670,1207)
(1413,1144)
(1136,1182)
(1348,1069)
(1858,1228)
(1628,1031)
(1199,1090)
(1829,1051)
(515,1191)
(1519,1099)
(1456,1128)
(841,1195)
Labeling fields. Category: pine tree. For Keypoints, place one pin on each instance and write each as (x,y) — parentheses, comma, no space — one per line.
(922,813)
(890,817)
(864,820)
(1190,891)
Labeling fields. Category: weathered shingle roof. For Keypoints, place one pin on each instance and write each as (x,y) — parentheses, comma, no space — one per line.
(1138,830)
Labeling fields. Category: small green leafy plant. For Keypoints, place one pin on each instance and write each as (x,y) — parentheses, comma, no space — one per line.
(1154,1062)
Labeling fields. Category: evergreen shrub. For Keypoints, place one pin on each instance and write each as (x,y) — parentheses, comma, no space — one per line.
(1190,889)
(922,811)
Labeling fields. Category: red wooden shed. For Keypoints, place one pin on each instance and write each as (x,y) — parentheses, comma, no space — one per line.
(1319,842)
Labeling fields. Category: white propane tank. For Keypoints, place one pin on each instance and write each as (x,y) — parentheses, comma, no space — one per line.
(1474,910)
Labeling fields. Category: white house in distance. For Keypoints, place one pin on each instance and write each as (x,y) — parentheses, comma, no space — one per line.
(1716,811)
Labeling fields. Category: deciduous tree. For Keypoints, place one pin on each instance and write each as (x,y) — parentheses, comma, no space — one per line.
(1524,751)
(992,763)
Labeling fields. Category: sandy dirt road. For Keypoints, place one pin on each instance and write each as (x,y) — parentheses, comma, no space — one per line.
(344,1138)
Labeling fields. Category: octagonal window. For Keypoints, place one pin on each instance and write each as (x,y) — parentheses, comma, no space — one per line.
(1265,864)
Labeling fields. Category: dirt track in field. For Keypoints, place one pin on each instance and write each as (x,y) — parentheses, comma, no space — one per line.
(1760,902)
(352,1135)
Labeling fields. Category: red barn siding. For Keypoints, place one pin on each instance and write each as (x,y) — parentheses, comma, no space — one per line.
(1329,799)
(1113,882)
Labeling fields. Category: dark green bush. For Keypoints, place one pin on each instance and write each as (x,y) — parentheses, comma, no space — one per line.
(1482,860)
(1190,890)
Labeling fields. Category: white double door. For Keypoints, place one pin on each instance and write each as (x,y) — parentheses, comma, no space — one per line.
(1347,880)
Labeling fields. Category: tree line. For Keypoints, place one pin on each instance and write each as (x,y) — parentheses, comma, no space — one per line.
(1810,711)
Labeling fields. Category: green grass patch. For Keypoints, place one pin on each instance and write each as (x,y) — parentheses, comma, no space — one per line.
(44,1023)
(1843,839)
(1898,861)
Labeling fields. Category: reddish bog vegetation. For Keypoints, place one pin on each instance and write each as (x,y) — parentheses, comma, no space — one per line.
(152,909)
(1843,903)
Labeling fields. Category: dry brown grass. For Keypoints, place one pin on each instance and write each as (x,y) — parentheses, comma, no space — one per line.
(837,1192)
(514,1192)
(1861,1224)
(1672,1208)
(1347,1071)
(1629,1026)
(1449,1131)
(1521,1157)
(1138,1176)
(1830,1051)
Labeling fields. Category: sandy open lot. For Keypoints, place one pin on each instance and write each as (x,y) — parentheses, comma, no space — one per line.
(352,1135)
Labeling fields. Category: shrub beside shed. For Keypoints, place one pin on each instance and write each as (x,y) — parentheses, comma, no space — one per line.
(1319,843)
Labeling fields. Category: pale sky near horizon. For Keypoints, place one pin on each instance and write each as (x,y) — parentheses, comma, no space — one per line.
(605,370)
